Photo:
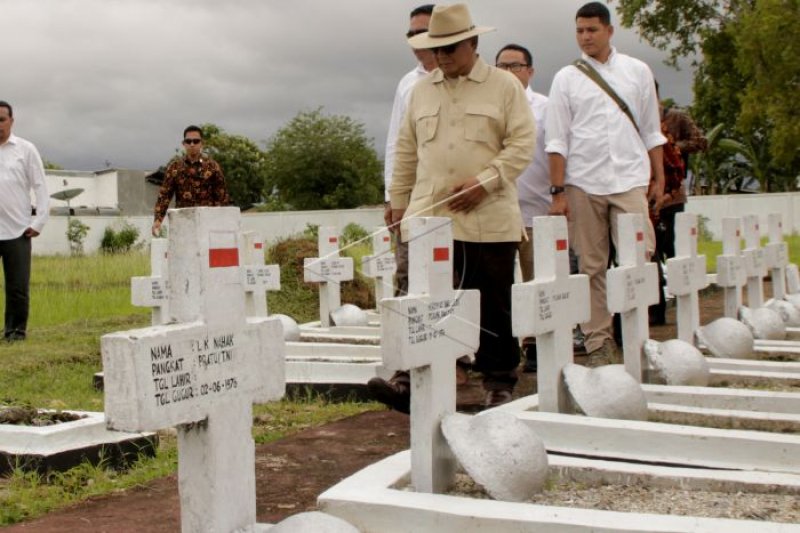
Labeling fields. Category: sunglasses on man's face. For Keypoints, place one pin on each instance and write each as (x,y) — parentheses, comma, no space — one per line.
(447,50)
(411,33)
(192,141)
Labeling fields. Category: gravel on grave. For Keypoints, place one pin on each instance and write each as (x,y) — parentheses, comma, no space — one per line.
(637,498)
(768,386)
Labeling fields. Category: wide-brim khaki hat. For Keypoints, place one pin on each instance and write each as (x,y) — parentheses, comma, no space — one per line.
(448,25)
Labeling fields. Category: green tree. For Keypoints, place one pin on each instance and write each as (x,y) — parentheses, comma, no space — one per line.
(768,43)
(678,26)
(748,71)
(242,161)
(717,90)
(319,161)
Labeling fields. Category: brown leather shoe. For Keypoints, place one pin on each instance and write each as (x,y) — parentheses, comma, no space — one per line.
(392,393)
(607,354)
(496,397)
(462,375)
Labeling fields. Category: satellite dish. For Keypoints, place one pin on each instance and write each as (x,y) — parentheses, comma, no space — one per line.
(66,194)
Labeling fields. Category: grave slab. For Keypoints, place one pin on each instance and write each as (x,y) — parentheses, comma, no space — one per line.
(333,363)
(65,445)
(371,499)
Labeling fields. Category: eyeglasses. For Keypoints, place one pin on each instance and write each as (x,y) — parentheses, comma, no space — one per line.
(513,67)
(411,33)
(447,50)
(192,141)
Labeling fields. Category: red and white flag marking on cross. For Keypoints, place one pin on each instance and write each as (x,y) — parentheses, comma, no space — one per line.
(223,250)
(441,254)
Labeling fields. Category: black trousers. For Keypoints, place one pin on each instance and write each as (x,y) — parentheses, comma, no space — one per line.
(16,254)
(489,268)
(665,249)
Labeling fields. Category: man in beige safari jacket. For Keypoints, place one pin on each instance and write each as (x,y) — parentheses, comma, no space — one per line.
(467,134)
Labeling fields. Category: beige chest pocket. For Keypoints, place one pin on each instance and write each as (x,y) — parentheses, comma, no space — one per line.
(481,123)
(427,123)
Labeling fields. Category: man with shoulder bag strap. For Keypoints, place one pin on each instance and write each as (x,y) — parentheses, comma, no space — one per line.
(603,136)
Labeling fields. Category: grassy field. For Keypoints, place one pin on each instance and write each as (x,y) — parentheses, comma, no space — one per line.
(711,249)
(74,301)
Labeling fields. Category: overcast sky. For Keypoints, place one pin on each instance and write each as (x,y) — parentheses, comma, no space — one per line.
(93,81)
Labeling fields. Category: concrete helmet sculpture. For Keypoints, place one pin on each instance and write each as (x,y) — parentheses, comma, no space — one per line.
(763,322)
(726,337)
(788,311)
(675,362)
(349,315)
(605,392)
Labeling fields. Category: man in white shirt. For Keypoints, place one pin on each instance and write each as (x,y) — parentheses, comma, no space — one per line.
(418,23)
(600,161)
(533,185)
(21,171)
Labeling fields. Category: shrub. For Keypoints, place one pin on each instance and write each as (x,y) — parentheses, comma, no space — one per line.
(76,234)
(353,233)
(311,232)
(115,242)
(299,299)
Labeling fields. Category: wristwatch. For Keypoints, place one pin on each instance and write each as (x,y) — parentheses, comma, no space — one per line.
(556,189)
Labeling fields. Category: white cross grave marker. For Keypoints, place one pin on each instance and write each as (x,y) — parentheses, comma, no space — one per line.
(686,275)
(754,264)
(792,279)
(731,275)
(632,288)
(381,265)
(549,306)
(776,253)
(426,332)
(329,270)
(153,290)
(257,278)
(201,373)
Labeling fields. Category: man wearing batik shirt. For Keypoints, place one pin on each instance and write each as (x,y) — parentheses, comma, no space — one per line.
(195,180)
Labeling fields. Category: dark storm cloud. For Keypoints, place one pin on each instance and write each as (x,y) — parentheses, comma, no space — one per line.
(112,80)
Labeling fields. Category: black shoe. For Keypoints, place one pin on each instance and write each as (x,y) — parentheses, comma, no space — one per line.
(531,364)
(496,397)
(393,394)
(15,336)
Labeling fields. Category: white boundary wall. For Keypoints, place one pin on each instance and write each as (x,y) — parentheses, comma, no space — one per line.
(715,207)
(271,226)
